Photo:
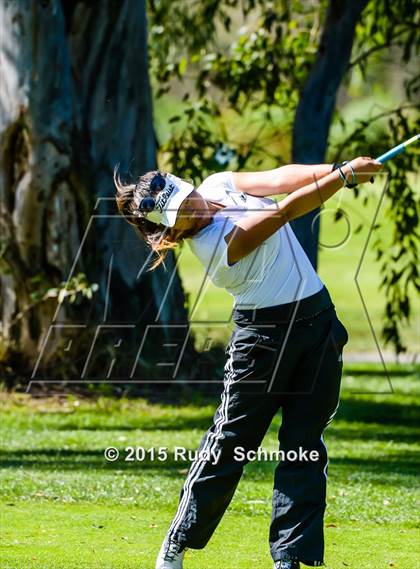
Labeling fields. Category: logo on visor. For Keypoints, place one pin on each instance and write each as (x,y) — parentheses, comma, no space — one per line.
(164,197)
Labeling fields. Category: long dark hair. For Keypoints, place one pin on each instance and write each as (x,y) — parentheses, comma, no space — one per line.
(157,236)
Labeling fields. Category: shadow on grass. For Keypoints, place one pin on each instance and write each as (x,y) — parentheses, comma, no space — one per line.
(390,417)
(385,413)
(371,433)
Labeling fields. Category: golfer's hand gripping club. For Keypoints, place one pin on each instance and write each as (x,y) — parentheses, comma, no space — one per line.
(361,169)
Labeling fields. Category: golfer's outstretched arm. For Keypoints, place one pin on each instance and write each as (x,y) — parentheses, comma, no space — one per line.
(283,180)
(251,231)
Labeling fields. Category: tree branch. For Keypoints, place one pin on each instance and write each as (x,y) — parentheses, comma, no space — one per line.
(375,48)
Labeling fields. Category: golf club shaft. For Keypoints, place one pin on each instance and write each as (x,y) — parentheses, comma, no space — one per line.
(397,149)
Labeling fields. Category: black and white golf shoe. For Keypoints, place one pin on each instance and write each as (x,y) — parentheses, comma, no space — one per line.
(170,556)
(287,564)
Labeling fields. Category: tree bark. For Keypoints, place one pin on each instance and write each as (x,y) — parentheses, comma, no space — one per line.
(75,100)
(317,102)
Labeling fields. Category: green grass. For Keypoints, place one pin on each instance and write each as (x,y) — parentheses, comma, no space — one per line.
(64,506)
(337,269)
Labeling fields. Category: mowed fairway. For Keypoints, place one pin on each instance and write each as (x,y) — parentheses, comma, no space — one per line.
(64,507)
(340,253)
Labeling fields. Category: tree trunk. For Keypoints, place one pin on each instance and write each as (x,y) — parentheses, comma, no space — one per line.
(317,102)
(75,100)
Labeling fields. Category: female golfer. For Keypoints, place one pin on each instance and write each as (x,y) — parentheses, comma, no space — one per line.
(285,350)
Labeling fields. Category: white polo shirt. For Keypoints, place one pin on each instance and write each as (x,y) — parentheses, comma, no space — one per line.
(276,272)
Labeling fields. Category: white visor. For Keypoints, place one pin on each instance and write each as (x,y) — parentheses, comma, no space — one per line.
(168,201)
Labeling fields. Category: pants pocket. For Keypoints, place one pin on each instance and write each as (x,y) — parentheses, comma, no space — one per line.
(243,341)
(254,360)
(246,362)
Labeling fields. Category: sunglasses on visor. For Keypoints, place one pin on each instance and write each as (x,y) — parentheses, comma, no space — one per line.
(148,203)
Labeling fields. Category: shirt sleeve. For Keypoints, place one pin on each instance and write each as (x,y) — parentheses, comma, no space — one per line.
(220,180)
(211,249)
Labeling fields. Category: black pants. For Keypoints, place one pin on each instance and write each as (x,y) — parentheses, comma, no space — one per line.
(288,357)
